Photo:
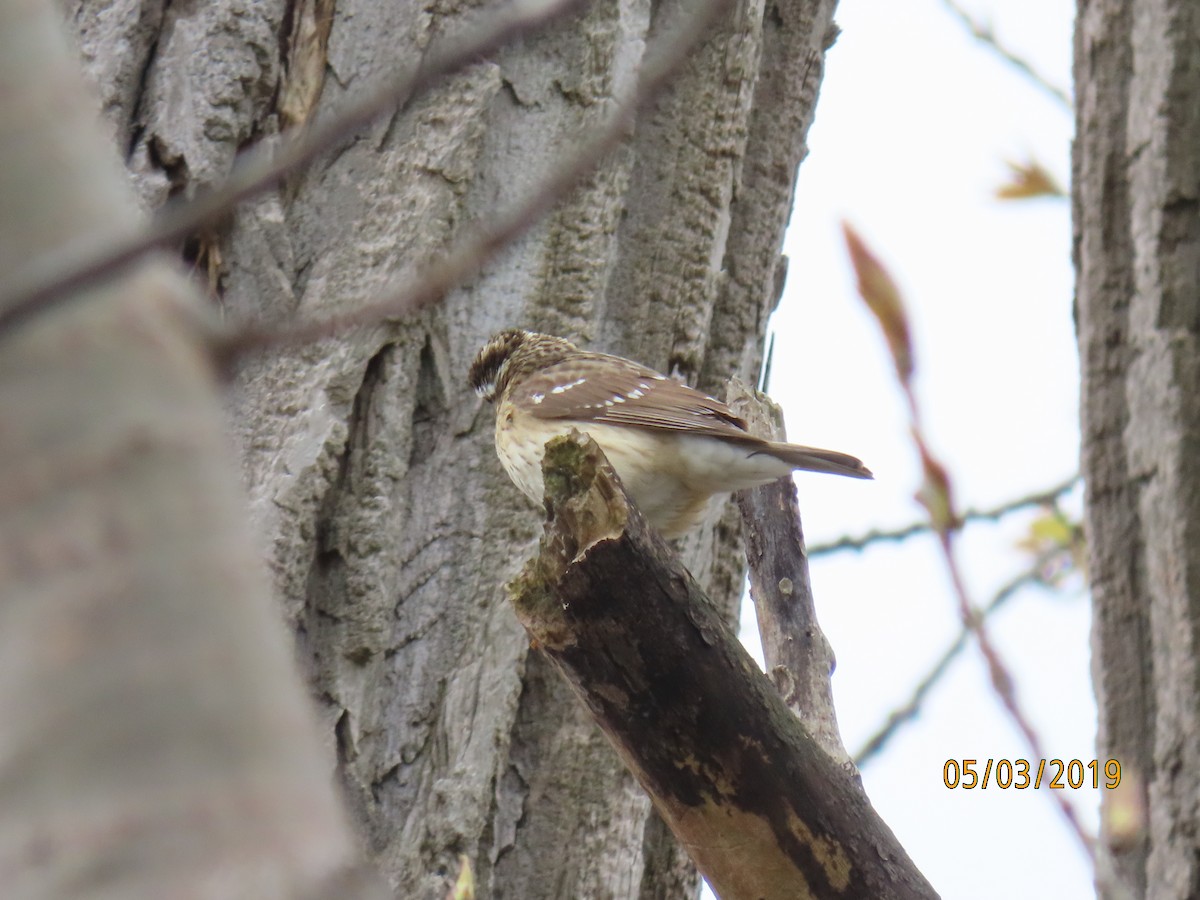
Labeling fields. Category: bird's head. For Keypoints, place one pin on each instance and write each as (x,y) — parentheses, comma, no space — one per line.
(512,353)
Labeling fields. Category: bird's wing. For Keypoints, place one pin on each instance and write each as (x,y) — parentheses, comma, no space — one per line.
(615,391)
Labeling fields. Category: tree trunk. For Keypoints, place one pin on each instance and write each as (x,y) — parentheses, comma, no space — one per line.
(1137,240)
(156,740)
(375,491)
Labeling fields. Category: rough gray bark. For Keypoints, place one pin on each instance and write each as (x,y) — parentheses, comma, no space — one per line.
(1137,248)
(156,738)
(388,522)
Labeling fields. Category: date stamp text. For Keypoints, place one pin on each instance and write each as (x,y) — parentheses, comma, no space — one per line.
(1021,774)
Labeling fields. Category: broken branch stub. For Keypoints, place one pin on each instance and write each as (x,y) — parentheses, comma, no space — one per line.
(761,808)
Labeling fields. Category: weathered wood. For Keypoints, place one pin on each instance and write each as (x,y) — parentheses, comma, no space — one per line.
(798,658)
(761,808)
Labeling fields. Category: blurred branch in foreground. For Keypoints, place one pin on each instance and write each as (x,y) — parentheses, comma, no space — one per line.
(465,257)
(52,278)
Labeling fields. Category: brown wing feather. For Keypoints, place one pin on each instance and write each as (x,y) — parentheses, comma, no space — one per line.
(617,392)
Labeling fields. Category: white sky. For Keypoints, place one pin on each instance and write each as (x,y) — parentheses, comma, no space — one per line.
(914,124)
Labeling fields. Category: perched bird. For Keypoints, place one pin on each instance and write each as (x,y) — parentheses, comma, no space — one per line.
(672,446)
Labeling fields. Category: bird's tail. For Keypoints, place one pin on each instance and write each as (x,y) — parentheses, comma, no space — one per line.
(812,459)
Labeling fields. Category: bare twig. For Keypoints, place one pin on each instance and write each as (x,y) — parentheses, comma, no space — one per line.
(906,713)
(883,297)
(983,32)
(1047,497)
(466,257)
(50,279)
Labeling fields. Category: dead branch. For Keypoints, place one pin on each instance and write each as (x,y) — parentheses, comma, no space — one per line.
(798,657)
(761,808)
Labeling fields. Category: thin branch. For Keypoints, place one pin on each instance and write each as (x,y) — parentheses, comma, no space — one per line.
(883,298)
(798,657)
(1047,497)
(983,32)
(906,713)
(466,257)
(60,274)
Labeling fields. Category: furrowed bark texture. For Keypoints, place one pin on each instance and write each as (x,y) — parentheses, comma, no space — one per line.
(763,810)
(156,739)
(376,492)
(1137,248)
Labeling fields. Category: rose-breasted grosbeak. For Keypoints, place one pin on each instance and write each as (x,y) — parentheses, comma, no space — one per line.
(672,446)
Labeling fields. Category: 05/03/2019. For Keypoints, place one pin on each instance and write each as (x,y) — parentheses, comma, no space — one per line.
(1022,773)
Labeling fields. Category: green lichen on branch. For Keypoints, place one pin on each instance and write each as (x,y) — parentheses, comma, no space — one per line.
(584,505)
(584,502)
